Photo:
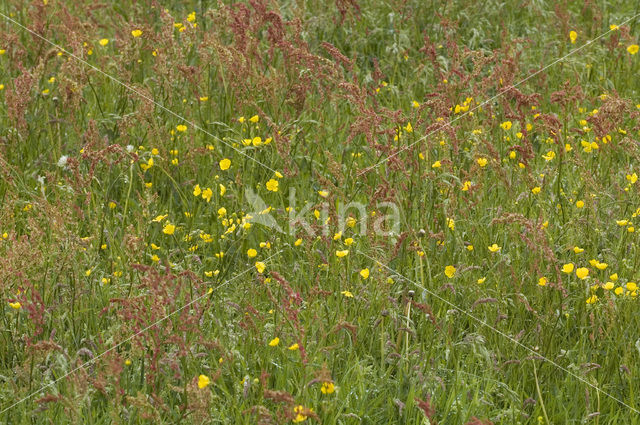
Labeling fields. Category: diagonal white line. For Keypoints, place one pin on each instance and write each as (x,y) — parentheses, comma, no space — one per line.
(132,89)
(498,331)
(131,337)
(500,93)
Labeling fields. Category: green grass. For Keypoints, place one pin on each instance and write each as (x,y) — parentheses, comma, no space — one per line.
(108,316)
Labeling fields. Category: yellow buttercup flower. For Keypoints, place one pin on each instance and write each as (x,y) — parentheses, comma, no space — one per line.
(274,342)
(450,271)
(482,162)
(582,272)
(169,229)
(342,253)
(103,42)
(327,387)
(207,194)
(225,164)
(272,185)
(364,273)
(542,281)
(633,49)
(567,268)
(260,266)
(136,33)
(203,381)
(494,248)
(573,36)
(506,125)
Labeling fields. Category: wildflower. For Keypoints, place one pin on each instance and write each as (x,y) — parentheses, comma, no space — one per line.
(223,190)
(260,266)
(136,33)
(159,218)
(348,241)
(299,412)
(481,280)
(633,49)
(450,271)
(580,204)
(203,381)
(254,119)
(609,286)
(342,253)
(466,186)
(506,125)
(323,193)
(181,128)
(169,229)
(274,342)
(409,128)
(298,242)
(614,277)
(592,299)
(364,273)
(482,162)
(632,178)
(573,36)
(577,250)
(252,253)
(347,294)
(512,155)
(567,268)
(601,266)
(536,190)
(451,223)
(542,281)
(622,222)
(294,347)
(196,190)
(631,286)
(494,248)
(15,305)
(207,194)
(272,185)
(582,273)
(549,156)
(415,104)
(327,387)
(225,164)
(103,42)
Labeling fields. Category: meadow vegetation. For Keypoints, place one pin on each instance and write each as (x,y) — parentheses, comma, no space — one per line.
(154,153)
